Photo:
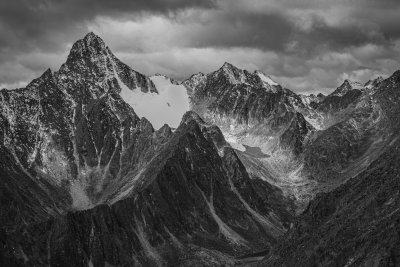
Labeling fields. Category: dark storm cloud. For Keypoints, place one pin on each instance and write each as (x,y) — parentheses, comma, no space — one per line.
(263,31)
(47,26)
(276,30)
(41,24)
(306,44)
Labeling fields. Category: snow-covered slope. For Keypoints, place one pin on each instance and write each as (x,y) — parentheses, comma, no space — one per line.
(165,107)
(265,79)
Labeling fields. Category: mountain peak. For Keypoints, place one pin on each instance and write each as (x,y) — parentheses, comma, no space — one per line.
(91,36)
(94,40)
(355,83)
(46,76)
(347,86)
(91,44)
(232,73)
(98,68)
(352,83)
(229,67)
(346,82)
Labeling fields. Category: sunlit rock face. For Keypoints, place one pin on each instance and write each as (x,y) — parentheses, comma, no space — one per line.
(262,121)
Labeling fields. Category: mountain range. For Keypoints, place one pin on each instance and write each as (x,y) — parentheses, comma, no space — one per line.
(101,165)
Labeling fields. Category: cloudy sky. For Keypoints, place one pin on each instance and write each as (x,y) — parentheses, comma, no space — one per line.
(306,45)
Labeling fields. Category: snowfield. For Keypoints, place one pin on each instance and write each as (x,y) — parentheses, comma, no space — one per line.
(166,107)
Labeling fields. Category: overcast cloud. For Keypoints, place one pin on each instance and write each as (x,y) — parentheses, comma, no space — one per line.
(306,45)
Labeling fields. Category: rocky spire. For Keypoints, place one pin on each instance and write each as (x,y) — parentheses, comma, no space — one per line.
(88,51)
(233,74)
(90,44)
(91,64)
(347,86)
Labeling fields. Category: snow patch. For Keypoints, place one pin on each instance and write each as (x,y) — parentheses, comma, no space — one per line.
(166,107)
(266,79)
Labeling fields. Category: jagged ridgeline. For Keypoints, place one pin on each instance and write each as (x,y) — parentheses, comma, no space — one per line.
(101,165)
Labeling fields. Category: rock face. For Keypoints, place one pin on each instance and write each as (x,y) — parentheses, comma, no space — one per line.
(240,102)
(264,122)
(85,181)
(346,87)
(72,129)
(356,133)
(194,198)
(353,135)
(305,144)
